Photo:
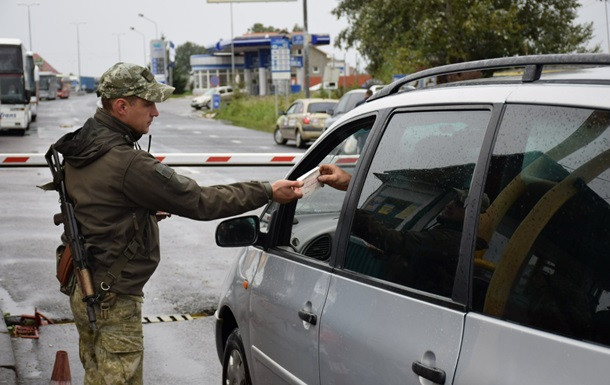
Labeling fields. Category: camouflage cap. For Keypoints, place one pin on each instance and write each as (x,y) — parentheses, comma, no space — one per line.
(125,79)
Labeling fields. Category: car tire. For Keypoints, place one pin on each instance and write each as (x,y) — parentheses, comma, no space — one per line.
(234,365)
(277,136)
(299,142)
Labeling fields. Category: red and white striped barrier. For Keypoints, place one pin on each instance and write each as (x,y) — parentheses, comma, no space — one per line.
(176,160)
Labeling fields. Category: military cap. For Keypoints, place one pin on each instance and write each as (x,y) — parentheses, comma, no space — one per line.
(125,79)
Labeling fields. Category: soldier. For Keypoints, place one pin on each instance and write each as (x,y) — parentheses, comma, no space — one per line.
(119,193)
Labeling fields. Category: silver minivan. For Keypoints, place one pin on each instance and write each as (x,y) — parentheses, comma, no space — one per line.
(471,246)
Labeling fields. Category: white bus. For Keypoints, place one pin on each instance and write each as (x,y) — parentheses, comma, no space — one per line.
(14,87)
(34,78)
(48,85)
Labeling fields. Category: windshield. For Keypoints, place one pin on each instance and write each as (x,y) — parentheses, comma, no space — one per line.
(11,89)
(348,102)
(320,107)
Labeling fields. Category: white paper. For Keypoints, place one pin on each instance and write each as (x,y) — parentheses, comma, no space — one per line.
(310,181)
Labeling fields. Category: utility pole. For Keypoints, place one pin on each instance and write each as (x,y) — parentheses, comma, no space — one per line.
(78,51)
(118,40)
(607,26)
(29,21)
(305,49)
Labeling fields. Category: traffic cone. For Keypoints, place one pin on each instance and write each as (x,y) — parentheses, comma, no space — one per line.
(61,369)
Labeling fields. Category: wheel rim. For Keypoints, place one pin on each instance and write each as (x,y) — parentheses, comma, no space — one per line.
(236,370)
(278,136)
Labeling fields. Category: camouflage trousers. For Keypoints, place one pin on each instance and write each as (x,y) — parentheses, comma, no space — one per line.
(112,354)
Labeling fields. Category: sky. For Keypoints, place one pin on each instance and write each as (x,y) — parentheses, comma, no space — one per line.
(105,36)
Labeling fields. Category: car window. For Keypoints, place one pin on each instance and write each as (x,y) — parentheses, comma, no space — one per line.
(292,108)
(548,226)
(315,217)
(407,226)
(348,102)
(320,107)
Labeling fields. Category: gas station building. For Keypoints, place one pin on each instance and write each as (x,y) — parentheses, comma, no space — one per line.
(252,62)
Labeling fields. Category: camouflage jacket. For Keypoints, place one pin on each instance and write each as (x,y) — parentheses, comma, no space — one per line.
(117,188)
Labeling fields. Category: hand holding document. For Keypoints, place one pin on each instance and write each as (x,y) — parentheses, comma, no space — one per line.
(310,182)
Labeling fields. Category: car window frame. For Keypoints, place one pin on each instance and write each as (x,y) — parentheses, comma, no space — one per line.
(460,298)
(280,226)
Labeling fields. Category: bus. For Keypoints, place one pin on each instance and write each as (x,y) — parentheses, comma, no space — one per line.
(14,87)
(34,78)
(48,85)
(63,86)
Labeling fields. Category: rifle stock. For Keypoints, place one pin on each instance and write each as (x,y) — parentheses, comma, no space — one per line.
(73,235)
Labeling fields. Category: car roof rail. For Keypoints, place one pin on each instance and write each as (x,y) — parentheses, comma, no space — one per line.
(533,65)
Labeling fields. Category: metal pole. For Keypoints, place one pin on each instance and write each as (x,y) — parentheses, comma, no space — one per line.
(118,40)
(143,43)
(607,27)
(78,52)
(152,21)
(232,49)
(305,49)
(29,21)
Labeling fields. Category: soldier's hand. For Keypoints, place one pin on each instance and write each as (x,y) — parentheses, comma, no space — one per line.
(285,191)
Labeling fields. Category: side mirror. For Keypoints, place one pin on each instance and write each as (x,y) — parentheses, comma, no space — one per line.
(237,232)
(330,111)
(282,112)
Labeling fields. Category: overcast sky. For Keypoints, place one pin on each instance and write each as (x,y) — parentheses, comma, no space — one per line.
(104,25)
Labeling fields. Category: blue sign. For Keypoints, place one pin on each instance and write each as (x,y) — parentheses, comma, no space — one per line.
(216,101)
(298,39)
(214,80)
(296,61)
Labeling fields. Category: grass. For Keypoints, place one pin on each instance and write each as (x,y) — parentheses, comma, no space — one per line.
(257,113)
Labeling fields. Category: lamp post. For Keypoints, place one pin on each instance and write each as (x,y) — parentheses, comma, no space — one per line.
(152,21)
(118,40)
(78,51)
(305,49)
(607,26)
(143,43)
(29,21)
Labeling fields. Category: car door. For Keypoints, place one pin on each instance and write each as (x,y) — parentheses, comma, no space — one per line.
(290,285)
(293,115)
(389,317)
(541,291)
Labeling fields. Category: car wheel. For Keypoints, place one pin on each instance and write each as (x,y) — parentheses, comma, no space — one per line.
(277,136)
(234,365)
(300,143)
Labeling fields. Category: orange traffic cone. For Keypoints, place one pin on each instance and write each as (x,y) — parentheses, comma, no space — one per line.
(61,369)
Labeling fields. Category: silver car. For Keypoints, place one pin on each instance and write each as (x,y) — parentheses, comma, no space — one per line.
(471,246)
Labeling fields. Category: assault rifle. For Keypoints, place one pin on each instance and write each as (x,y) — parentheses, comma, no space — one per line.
(72,233)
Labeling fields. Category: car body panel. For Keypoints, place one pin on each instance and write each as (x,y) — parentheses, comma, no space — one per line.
(367,331)
(206,99)
(281,342)
(499,352)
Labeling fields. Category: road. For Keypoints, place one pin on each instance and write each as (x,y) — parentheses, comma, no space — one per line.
(192,268)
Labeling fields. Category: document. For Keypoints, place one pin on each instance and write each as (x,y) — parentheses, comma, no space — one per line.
(310,181)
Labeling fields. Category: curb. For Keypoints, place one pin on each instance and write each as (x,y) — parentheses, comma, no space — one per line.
(8,373)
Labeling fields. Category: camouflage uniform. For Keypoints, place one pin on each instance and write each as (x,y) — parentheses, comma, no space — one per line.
(117,188)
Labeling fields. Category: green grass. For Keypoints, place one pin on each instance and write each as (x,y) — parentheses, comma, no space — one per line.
(257,113)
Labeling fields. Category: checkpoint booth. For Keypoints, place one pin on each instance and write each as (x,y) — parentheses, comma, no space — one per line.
(253,62)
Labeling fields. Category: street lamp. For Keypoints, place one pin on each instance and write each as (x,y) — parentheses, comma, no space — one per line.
(29,20)
(143,43)
(118,40)
(78,51)
(607,26)
(152,21)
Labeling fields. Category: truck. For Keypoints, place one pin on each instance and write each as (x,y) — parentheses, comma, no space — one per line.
(88,84)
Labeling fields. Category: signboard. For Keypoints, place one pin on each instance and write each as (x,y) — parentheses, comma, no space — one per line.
(214,80)
(215,101)
(296,61)
(157,60)
(298,39)
(280,58)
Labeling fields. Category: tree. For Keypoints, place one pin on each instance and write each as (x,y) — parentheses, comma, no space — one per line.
(260,28)
(182,65)
(400,36)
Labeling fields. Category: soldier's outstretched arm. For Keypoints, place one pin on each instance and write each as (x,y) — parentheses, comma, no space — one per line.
(285,191)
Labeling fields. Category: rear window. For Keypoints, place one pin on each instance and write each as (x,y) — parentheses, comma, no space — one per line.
(320,107)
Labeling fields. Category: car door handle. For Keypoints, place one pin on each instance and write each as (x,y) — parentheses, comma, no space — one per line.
(308,317)
(429,373)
